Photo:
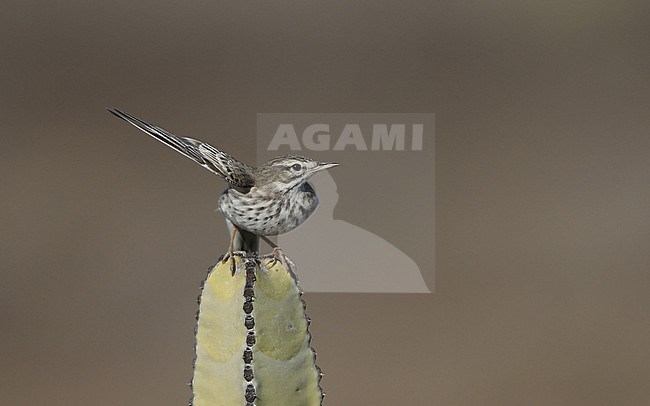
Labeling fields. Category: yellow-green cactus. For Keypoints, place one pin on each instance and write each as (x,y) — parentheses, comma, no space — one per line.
(252,338)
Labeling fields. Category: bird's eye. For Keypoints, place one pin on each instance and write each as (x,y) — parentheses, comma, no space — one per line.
(296,167)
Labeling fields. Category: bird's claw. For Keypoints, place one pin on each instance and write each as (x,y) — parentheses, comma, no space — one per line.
(277,256)
(233,264)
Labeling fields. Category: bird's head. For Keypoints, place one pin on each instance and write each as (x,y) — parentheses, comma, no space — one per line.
(289,171)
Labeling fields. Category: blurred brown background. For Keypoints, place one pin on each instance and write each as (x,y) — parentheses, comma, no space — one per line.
(542,163)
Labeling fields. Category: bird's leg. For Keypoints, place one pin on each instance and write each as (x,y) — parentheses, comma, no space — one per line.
(231,253)
(268,241)
(278,255)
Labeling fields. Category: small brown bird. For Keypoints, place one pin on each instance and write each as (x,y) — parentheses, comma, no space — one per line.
(268,200)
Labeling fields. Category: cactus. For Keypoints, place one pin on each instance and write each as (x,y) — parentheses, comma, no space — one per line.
(252,339)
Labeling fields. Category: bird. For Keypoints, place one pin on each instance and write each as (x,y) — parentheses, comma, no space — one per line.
(271,199)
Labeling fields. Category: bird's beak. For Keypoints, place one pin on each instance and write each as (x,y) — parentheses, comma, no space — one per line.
(324,165)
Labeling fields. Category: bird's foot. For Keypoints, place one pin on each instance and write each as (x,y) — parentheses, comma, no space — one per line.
(230,255)
(277,256)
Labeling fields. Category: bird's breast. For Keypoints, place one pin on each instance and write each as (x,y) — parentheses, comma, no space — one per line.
(264,213)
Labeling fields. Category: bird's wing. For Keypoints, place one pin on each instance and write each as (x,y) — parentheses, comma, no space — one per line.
(234,172)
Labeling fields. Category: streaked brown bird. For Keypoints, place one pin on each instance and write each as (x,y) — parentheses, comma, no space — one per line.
(265,201)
